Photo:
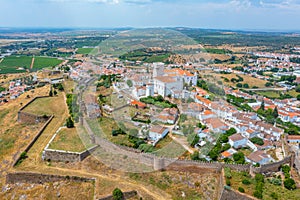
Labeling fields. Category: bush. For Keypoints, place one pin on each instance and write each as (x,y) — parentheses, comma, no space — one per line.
(228,182)
(259,178)
(257,140)
(246,182)
(257,194)
(289,184)
(195,155)
(227,172)
(242,190)
(274,195)
(70,122)
(276,181)
(117,194)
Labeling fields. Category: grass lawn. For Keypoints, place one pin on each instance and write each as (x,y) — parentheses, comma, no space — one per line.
(68,139)
(47,106)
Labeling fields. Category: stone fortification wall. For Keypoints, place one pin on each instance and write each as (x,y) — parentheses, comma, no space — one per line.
(38,178)
(66,156)
(29,118)
(34,139)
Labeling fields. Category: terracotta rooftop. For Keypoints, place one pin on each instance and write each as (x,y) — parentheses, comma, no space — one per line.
(236,137)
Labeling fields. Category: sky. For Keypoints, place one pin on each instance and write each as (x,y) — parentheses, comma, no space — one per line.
(216,14)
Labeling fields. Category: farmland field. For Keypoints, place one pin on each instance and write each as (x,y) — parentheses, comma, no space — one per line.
(84,50)
(19,64)
(42,62)
(13,63)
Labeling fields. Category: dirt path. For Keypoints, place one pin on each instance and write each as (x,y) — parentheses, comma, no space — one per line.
(32,62)
(182,143)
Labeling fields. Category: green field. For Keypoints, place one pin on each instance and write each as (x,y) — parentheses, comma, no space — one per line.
(42,62)
(12,64)
(84,50)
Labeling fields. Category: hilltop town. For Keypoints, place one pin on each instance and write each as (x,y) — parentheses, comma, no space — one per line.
(213,121)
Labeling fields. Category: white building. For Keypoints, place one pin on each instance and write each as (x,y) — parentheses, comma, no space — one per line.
(150,89)
(158,132)
(158,69)
(166,85)
(259,157)
(237,141)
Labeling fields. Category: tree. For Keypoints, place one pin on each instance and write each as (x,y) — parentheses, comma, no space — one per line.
(129,83)
(195,155)
(262,105)
(231,131)
(298,88)
(239,85)
(239,157)
(51,93)
(257,140)
(298,97)
(117,194)
(289,184)
(242,190)
(70,122)
(275,112)
(213,155)
(246,85)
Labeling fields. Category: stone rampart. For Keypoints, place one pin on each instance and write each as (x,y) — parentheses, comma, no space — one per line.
(66,156)
(29,118)
(38,178)
(34,139)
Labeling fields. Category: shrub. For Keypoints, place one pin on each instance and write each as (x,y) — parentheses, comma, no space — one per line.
(70,122)
(246,182)
(227,172)
(242,190)
(274,195)
(276,181)
(257,194)
(228,182)
(289,184)
(257,140)
(259,178)
(117,194)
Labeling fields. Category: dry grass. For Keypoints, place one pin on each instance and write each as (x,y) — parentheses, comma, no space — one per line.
(68,139)
(48,106)
(236,182)
(57,190)
(69,85)
(247,79)
(60,110)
